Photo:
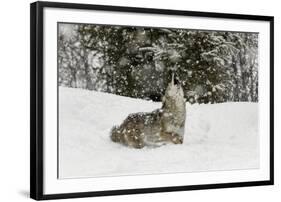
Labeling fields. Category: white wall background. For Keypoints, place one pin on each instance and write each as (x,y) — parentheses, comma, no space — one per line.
(14,100)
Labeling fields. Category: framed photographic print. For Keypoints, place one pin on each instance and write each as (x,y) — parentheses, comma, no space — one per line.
(136,100)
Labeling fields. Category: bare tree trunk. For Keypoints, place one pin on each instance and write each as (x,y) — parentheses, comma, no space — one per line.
(251,82)
(244,75)
(73,81)
(236,80)
(89,85)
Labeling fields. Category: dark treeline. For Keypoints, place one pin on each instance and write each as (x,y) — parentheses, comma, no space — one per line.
(212,66)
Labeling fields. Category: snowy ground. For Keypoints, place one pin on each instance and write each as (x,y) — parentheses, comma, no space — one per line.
(217,137)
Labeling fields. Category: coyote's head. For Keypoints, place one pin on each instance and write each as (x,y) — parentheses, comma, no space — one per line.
(174,96)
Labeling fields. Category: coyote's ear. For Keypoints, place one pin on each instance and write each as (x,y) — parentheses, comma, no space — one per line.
(163,103)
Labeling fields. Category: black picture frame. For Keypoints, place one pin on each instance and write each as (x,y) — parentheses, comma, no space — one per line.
(37,98)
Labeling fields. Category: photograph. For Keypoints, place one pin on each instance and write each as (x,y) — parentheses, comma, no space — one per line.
(140,100)
(133,100)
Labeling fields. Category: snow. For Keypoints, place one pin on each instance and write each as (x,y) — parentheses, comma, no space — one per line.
(67,30)
(217,137)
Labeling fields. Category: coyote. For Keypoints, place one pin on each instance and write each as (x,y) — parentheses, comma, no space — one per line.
(159,127)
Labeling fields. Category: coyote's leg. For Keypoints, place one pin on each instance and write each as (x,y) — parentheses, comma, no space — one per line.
(172,137)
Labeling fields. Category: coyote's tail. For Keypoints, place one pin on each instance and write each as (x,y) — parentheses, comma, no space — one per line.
(115,134)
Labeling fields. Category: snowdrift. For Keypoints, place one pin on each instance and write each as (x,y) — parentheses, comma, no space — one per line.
(217,137)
